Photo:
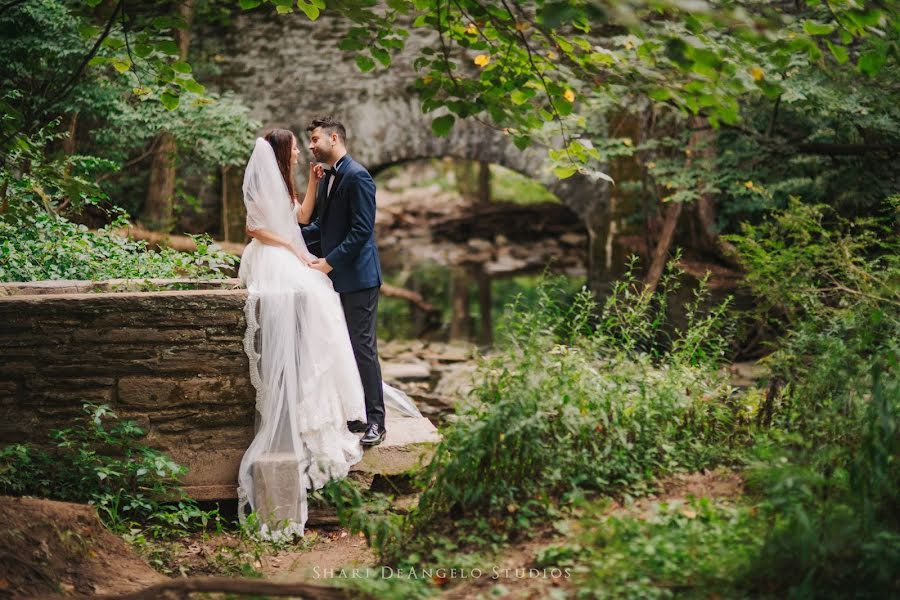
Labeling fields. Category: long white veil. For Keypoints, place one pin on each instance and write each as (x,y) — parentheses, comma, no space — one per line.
(301,365)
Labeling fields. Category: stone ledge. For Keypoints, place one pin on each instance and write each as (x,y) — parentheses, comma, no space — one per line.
(79,286)
(409,444)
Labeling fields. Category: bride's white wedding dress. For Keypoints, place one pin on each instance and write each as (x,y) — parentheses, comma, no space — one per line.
(301,364)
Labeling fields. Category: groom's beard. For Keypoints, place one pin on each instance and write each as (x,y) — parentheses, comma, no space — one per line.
(324,156)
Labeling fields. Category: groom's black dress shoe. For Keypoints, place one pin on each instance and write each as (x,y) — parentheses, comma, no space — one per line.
(374,435)
(357,426)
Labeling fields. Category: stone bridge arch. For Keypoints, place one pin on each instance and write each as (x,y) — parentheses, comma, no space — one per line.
(289,70)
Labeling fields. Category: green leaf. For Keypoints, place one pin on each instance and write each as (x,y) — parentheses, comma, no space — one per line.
(181,67)
(312,11)
(564,171)
(350,44)
(283,10)
(248,4)
(871,62)
(364,63)
(168,47)
(401,6)
(88,31)
(522,141)
(441,126)
(193,86)
(814,28)
(521,96)
(169,100)
(840,52)
(121,65)
(383,56)
(142,50)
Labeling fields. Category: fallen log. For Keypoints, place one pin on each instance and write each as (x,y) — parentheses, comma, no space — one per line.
(515,221)
(183,587)
(182,243)
(185,243)
(392,291)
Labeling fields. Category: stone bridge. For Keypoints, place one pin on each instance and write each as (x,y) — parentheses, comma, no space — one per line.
(166,354)
(289,70)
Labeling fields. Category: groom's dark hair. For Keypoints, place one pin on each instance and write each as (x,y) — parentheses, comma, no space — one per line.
(329,124)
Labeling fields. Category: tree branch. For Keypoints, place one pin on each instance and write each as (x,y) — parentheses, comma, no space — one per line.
(10,5)
(834,149)
(181,588)
(73,79)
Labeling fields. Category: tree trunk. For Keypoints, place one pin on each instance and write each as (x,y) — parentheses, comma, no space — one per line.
(704,217)
(598,226)
(68,143)
(661,253)
(485,303)
(459,303)
(484,182)
(158,211)
(466,180)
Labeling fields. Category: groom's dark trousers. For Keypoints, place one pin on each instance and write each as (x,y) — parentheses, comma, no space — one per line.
(343,232)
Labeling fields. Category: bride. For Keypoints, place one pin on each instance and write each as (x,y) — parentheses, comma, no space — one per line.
(301,361)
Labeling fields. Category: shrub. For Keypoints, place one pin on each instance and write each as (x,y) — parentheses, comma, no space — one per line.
(574,405)
(105,466)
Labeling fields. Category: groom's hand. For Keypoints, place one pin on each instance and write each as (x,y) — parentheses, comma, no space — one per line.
(320,264)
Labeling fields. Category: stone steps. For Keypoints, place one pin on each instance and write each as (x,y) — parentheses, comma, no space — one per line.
(410,443)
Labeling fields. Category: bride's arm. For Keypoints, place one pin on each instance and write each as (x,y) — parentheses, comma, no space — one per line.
(271,239)
(267,237)
(304,214)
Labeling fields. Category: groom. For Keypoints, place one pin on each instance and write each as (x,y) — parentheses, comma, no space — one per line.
(343,236)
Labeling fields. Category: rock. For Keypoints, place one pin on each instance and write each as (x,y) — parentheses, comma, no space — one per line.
(456,381)
(275,477)
(409,444)
(453,352)
(400,371)
(400,348)
(480,245)
(504,264)
(573,239)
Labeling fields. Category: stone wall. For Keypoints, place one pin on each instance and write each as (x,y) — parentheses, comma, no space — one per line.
(170,359)
(173,361)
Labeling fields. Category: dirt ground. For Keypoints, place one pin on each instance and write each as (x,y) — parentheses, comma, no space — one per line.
(56,549)
(49,548)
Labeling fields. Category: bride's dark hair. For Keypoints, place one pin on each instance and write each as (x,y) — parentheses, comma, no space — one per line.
(282,142)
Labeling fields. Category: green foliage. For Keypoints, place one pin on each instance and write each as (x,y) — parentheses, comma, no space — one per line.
(524,66)
(45,39)
(40,246)
(612,418)
(509,186)
(835,284)
(824,477)
(106,466)
(692,548)
(113,129)
(829,471)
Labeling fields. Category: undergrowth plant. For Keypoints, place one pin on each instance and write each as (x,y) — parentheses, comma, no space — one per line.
(583,400)
(101,461)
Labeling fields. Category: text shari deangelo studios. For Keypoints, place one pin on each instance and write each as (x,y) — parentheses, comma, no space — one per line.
(441,573)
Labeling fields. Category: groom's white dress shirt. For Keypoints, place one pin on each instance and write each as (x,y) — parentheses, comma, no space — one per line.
(334,175)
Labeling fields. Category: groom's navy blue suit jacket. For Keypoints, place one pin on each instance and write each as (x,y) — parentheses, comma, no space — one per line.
(344,231)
